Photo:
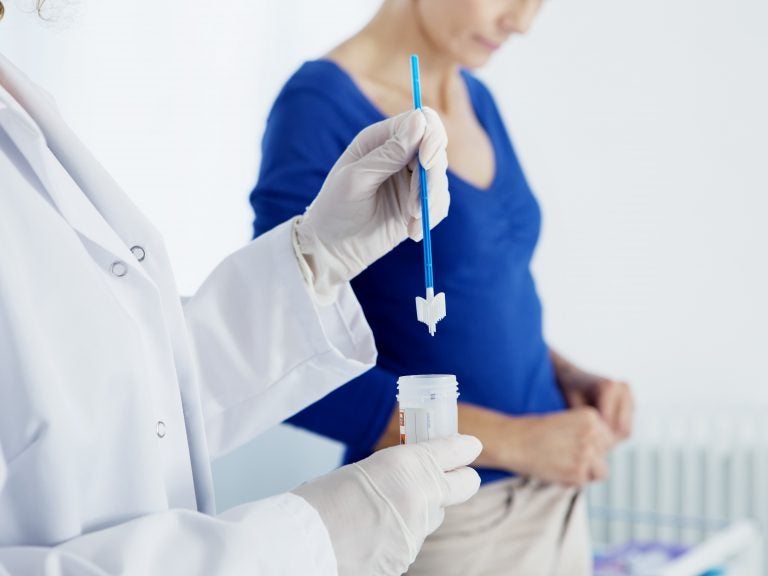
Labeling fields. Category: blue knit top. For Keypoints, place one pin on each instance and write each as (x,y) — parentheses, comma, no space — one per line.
(491,338)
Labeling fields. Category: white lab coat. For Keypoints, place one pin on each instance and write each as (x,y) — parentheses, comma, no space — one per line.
(114,398)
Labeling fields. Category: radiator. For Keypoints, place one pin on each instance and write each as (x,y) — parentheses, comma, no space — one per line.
(685,477)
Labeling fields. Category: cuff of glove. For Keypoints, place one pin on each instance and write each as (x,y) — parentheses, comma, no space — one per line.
(314,262)
(306,271)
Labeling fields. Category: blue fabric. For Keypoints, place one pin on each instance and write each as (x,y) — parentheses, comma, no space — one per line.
(491,337)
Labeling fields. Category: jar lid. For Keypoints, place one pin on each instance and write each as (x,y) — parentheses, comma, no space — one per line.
(425,382)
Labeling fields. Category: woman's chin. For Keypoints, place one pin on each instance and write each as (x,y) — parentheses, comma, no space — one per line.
(475,60)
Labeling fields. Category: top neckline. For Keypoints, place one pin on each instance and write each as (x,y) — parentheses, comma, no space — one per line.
(380,115)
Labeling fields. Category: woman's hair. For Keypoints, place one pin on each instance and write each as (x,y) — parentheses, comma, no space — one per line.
(38,7)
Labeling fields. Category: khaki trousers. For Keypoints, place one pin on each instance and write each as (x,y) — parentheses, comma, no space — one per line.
(517,527)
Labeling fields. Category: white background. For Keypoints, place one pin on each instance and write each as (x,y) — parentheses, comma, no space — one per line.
(643,127)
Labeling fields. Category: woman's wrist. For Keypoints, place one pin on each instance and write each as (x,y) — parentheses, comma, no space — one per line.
(502,435)
(512,449)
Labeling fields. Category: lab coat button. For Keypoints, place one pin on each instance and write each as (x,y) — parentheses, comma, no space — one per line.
(160,429)
(139,253)
(119,269)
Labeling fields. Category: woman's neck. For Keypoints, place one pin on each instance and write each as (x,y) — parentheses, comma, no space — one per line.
(381,51)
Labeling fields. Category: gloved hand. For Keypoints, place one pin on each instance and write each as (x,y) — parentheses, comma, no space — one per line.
(379,511)
(370,201)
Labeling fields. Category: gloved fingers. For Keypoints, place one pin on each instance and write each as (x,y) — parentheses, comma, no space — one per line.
(462,484)
(415,231)
(387,146)
(437,190)
(434,142)
(416,130)
(433,156)
(437,193)
(454,452)
(437,184)
(436,518)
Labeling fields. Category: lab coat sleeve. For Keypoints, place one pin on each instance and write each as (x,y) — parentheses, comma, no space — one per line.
(279,535)
(264,348)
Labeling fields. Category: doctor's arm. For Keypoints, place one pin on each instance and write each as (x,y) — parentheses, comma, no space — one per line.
(367,518)
(276,326)
(259,537)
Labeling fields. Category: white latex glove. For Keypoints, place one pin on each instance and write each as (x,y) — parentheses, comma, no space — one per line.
(371,202)
(379,511)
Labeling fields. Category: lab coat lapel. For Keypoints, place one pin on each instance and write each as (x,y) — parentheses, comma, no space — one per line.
(82,191)
(62,191)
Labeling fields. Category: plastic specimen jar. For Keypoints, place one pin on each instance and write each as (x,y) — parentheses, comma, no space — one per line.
(428,407)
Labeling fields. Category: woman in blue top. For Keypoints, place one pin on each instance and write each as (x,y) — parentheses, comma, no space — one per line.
(546,425)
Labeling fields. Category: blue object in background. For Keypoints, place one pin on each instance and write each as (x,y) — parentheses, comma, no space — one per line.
(637,558)
(425,227)
(483,249)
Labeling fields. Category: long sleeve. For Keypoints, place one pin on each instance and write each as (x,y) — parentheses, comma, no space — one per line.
(264,348)
(279,535)
(82,490)
(79,493)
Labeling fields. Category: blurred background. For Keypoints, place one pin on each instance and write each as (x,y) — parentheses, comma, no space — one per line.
(643,128)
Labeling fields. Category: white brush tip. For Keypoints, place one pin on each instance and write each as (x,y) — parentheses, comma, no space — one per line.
(431,310)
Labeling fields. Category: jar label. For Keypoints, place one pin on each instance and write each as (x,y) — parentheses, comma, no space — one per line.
(415,425)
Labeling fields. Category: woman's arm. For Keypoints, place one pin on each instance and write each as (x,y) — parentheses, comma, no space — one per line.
(566,447)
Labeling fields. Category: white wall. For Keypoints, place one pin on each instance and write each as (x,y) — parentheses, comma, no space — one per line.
(642,126)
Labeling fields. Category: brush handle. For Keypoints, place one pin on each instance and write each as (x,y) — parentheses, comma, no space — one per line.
(425,228)
(416,83)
